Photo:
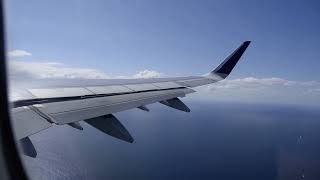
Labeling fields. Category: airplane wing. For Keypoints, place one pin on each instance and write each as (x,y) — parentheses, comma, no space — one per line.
(38,104)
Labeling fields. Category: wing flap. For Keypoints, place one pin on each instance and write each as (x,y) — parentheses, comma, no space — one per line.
(26,122)
(167,85)
(60,92)
(109,89)
(141,87)
(199,81)
(77,110)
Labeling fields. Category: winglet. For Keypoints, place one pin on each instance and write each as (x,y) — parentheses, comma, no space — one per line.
(225,68)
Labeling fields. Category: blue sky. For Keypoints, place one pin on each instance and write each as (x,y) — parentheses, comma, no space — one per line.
(174,38)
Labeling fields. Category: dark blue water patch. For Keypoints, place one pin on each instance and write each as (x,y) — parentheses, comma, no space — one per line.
(215,141)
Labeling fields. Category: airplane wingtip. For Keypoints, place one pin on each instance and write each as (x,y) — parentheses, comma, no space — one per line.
(225,68)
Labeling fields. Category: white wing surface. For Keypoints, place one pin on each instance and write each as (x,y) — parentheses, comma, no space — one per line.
(38,104)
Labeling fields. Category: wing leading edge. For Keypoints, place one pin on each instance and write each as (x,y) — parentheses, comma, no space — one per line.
(37,106)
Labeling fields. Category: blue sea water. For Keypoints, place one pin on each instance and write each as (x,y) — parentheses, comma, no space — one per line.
(223,141)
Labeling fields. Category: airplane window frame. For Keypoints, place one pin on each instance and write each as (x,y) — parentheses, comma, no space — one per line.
(10,163)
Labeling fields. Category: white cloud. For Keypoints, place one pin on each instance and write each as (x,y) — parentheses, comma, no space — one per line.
(19,69)
(255,83)
(249,89)
(147,74)
(314,91)
(19,53)
(270,90)
(23,69)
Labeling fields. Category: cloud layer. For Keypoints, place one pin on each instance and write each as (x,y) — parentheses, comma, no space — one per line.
(19,53)
(270,90)
(147,74)
(39,70)
(249,89)
(19,69)
(24,69)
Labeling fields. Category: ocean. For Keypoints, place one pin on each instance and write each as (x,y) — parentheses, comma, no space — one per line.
(216,140)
